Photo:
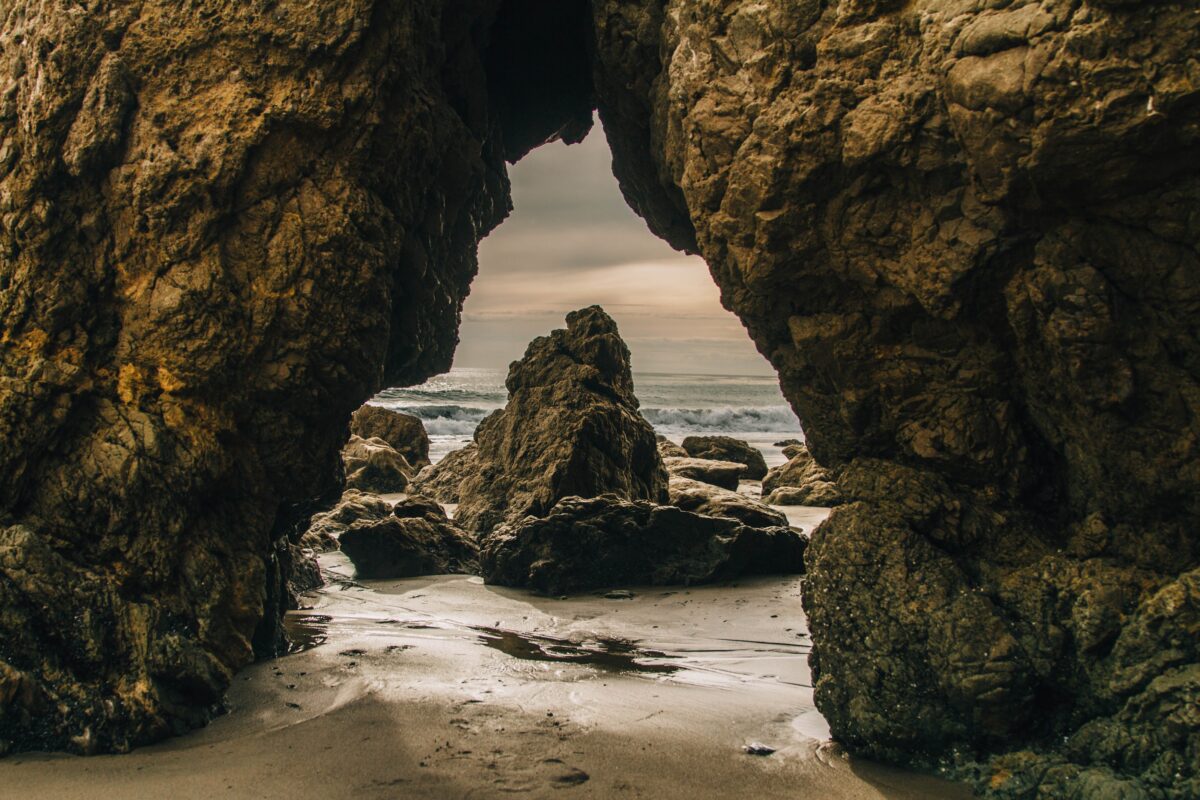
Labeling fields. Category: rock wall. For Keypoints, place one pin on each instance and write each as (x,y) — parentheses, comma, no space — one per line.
(963,232)
(965,235)
(225,225)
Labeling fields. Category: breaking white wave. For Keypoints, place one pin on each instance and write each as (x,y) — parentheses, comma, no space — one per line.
(723,419)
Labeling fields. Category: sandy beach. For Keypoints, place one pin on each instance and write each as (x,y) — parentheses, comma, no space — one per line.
(445,688)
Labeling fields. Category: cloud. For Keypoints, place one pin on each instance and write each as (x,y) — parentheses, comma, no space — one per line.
(572,241)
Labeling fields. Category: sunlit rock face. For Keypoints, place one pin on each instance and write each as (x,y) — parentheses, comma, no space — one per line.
(965,234)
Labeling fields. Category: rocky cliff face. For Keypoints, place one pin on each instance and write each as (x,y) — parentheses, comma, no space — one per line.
(964,233)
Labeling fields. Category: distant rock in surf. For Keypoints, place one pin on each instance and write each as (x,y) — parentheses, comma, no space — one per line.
(727,448)
(594,543)
(800,482)
(571,427)
(704,498)
(725,474)
(404,432)
(441,481)
(372,465)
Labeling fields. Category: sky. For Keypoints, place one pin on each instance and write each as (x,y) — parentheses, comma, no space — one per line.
(571,241)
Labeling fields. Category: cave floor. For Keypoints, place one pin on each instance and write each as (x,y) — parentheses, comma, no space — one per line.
(444,688)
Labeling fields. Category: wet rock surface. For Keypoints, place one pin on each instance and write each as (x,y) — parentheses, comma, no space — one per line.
(724,474)
(606,541)
(713,501)
(570,428)
(726,448)
(418,539)
(403,432)
(442,480)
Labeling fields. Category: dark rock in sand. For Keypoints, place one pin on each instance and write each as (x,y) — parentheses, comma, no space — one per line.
(415,505)
(704,498)
(668,449)
(800,482)
(305,574)
(421,542)
(571,428)
(606,541)
(354,506)
(788,442)
(726,448)
(373,466)
(725,474)
(404,432)
(442,480)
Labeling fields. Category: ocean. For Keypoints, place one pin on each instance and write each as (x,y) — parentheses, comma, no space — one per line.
(743,406)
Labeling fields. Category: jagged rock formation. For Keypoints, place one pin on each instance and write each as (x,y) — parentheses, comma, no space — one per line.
(594,543)
(712,501)
(403,432)
(725,474)
(570,428)
(800,482)
(353,506)
(442,480)
(418,539)
(726,448)
(962,232)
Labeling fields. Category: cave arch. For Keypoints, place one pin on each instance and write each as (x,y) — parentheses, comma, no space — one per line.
(978,292)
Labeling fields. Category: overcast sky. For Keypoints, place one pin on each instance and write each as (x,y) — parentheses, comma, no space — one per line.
(571,241)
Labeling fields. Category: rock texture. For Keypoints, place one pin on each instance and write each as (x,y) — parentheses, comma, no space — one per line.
(570,428)
(964,235)
(606,541)
(712,501)
(668,449)
(442,480)
(403,432)
(724,474)
(224,227)
(354,506)
(417,540)
(726,448)
(372,465)
(800,482)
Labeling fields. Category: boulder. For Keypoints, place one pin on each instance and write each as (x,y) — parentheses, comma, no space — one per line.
(725,474)
(424,541)
(814,493)
(591,543)
(805,481)
(726,448)
(441,480)
(372,465)
(571,428)
(793,450)
(668,449)
(404,432)
(354,506)
(713,501)
(788,442)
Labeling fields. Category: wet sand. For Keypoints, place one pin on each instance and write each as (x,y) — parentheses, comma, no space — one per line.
(445,688)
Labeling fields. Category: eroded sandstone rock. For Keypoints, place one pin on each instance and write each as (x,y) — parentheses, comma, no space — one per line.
(607,541)
(419,542)
(668,449)
(727,448)
(570,428)
(800,482)
(403,432)
(442,480)
(372,465)
(353,506)
(704,498)
(724,474)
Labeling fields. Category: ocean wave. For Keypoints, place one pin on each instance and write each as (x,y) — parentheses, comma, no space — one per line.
(767,419)
(446,420)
